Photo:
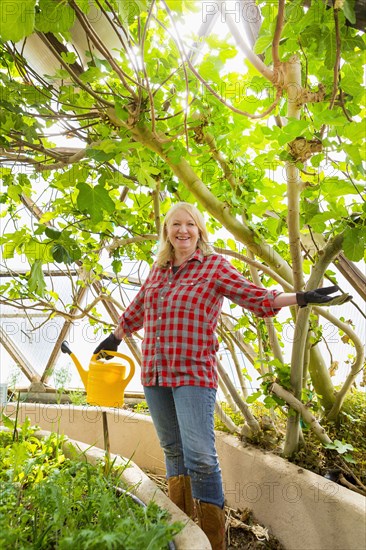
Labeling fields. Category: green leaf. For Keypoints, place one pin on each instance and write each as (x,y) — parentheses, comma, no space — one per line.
(14,192)
(293,129)
(349,458)
(36,282)
(84,5)
(253,397)
(66,249)
(54,16)
(16,19)
(175,5)
(263,43)
(340,446)
(349,10)
(143,173)
(354,243)
(53,234)
(355,131)
(69,57)
(8,422)
(331,49)
(46,217)
(128,11)
(8,250)
(232,244)
(270,402)
(336,187)
(330,118)
(116,266)
(94,200)
(60,254)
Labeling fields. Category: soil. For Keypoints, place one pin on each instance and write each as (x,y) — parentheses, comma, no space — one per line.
(241,540)
(249,535)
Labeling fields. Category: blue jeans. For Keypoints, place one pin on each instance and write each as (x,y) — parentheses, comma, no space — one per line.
(184,420)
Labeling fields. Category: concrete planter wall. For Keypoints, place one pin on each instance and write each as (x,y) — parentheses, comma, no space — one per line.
(303,510)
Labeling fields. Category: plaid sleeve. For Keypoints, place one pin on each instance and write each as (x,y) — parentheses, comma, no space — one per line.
(234,286)
(132,318)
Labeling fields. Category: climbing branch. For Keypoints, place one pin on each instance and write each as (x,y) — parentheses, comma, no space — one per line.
(337,60)
(98,43)
(225,419)
(231,107)
(277,33)
(251,420)
(299,407)
(356,367)
(44,306)
(119,243)
(220,159)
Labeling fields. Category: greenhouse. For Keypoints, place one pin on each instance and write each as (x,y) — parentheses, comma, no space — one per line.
(183,213)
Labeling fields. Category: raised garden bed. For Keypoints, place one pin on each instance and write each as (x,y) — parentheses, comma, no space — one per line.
(303,510)
(57,494)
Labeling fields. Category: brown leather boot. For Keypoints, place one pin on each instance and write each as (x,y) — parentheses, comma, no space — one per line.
(211,519)
(180,492)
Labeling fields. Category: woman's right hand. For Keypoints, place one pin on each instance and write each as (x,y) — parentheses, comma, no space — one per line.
(111,343)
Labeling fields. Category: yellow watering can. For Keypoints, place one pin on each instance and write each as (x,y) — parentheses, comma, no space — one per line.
(105,381)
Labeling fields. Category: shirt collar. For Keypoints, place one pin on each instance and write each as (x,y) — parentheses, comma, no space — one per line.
(198,255)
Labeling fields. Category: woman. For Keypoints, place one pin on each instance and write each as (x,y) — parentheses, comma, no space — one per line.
(178,306)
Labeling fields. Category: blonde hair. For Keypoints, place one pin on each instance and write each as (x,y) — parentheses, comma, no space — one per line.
(166,251)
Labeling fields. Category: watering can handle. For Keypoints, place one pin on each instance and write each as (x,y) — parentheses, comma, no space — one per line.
(65,347)
(122,356)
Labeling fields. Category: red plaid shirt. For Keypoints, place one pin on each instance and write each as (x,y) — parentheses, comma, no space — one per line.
(179,313)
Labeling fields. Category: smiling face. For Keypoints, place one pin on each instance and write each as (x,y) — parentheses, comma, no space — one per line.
(183,233)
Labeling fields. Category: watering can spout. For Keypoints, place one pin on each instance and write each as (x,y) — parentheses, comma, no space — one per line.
(83,373)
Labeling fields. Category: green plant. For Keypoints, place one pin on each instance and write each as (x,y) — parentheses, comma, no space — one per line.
(77,397)
(141,407)
(342,448)
(49,501)
(62,377)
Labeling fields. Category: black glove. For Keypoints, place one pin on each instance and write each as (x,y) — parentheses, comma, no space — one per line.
(320,297)
(111,343)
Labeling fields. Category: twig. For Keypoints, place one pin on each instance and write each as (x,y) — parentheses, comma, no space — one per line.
(89,30)
(303,410)
(73,75)
(183,55)
(350,485)
(231,107)
(348,470)
(151,98)
(337,59)
(277,33)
